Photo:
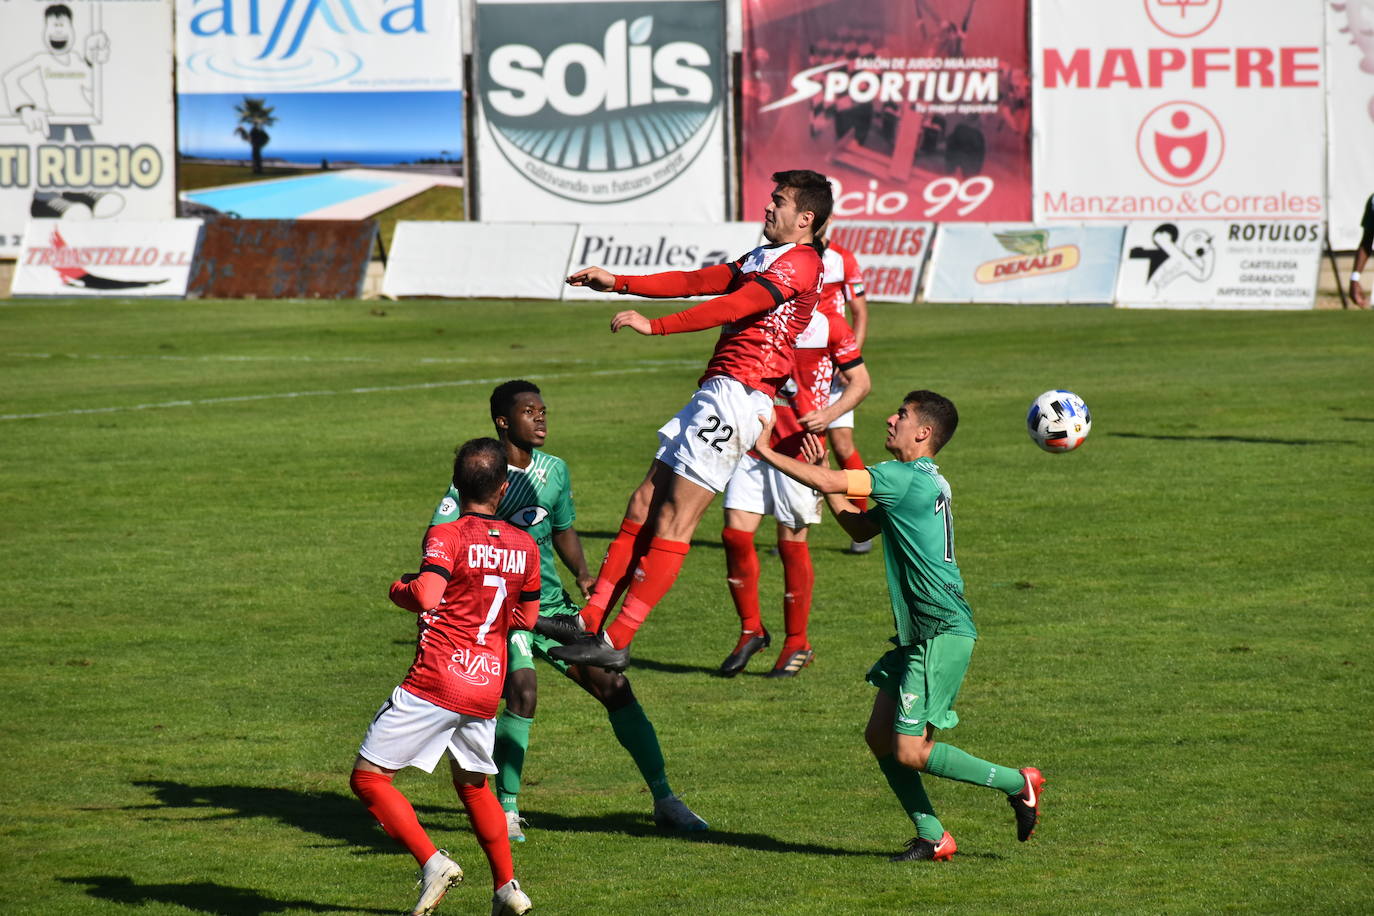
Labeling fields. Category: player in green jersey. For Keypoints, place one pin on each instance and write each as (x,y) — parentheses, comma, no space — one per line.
(539,500)
(909,505)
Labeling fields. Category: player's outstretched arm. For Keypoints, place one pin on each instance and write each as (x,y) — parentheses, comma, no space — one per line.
(836,485)
(569,548)
(857,387)
(597,278)
(418,592)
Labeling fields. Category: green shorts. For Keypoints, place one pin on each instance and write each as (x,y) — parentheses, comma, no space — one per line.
(524,646)
(924,679)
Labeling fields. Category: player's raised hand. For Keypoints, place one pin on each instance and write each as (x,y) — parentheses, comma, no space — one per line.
(632,320)
(813,450)
(597,278)
(765,438)
(814,422)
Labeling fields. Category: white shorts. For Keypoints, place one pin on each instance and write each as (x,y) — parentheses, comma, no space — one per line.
(844,420)
(411,732)
(758,487)
(707,439)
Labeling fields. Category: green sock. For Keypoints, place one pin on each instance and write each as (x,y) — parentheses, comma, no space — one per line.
(906,785)
(636,734)
(512,740)
(948,762)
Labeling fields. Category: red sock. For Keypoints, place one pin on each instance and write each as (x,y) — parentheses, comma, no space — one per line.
(393,811)
(611,580)
(797,579)
(489,823)
(654,575)
(742,575)
(856,463)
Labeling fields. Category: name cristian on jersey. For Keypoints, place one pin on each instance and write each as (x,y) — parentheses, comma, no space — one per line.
(489,556)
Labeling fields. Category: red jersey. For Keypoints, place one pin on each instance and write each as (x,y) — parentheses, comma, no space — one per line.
(842,278)
(768,298)
(492,571)
(827,344)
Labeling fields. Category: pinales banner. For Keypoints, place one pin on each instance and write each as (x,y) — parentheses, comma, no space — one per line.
(1178,110)
(916,111)
(648,248)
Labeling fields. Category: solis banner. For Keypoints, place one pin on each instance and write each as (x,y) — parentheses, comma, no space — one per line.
(1178,109)
(1349,117)
(85,113)
(600,111)
(916,111)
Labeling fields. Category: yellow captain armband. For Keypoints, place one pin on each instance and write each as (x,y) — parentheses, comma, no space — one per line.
(860,483)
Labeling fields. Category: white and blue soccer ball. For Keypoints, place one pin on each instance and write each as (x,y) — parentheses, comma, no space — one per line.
(1059,421)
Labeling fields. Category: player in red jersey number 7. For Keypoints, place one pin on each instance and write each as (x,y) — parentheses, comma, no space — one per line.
(764,301)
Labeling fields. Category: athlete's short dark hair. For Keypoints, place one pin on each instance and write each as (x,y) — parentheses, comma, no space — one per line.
(57,9)
(479,469)
(503,396)
(938,411)
(813,193)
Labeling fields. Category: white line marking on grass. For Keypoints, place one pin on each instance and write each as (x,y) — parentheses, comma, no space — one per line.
(634,369)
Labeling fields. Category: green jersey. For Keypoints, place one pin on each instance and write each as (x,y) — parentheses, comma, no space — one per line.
(539,500)
(911,505)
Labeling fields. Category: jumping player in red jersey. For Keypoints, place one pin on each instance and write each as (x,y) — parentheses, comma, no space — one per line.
(768,298)
(756,490)
(478,578)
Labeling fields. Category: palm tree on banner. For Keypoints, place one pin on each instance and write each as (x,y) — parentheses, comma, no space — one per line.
(255,114)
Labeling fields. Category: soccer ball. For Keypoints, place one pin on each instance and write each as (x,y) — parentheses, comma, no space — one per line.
(1058,421)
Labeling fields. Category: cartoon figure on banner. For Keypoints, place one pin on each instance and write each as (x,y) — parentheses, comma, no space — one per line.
(1194,257)
(56,92)
(1360,28)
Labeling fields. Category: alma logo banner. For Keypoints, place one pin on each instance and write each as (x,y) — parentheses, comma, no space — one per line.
(916,111)
(614,111)
(1178,110)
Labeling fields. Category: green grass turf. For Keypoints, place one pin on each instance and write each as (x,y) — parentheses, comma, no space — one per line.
(1175,620)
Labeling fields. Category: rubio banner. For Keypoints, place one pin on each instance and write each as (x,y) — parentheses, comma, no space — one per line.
(916,110)
(63,257)
(889,254)
(1178,110)
(1349,117)
(614,113)
(1220,264)
(1022,263)
(359,81)
(647,248)
(86,113)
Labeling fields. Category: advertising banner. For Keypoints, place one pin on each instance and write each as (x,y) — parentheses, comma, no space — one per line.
(1349,117)
(472,260)
(613,114)
(360,81)
(63,257)
(1220,264)
(283,259)
(916,110)
(85,113)
(889,254)
(649,248)
(1024,263)
(1162,109)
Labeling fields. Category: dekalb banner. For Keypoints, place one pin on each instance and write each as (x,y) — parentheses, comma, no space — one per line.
(1220,264)
(600,111)
(917,110)
(63,257)
(1349,117)
(1178,110)
(889,254)
(1024,263)
(649,248)
(86,113)
(361,81)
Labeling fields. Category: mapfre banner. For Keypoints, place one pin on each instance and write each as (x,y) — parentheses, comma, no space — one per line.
(63,257)
(648,248)
(916,110)
(889,254)
(1024,263)
(86,113)
(1220,264)
(600,111)
(1178,109)
(1349,118)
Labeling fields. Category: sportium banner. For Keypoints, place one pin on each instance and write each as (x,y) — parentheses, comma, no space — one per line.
(1349,117)
(889,254)
(917,110)
(369,82)
(1220,264)
(1024,263)
(600,112)
(85,113)
(1178,110)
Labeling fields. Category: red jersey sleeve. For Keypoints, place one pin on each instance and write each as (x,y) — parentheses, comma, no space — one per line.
(853,276)
(750,299)
(424,592)
(792,274)
(843,347)
(676,284)
(527,611)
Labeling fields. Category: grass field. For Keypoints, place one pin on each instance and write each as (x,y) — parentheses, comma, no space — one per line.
(201,505)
